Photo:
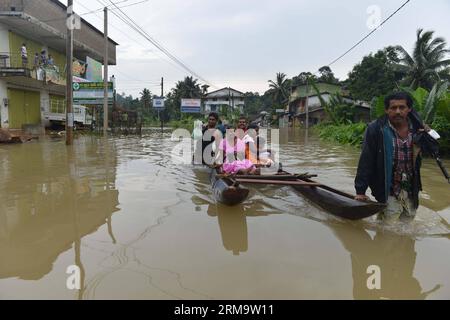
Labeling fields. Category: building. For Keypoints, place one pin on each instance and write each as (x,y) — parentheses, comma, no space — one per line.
(33,89)
(296,110)
(224,98)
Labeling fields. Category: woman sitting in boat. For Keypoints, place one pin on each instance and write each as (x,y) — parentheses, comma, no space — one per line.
(232,150)
(256,148)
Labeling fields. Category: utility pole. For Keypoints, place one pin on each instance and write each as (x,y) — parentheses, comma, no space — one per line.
(162,97)
(69,78)
(229,100)
(306,103)
(105,75)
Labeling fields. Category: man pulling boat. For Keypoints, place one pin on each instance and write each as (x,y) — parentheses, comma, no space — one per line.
(390,160)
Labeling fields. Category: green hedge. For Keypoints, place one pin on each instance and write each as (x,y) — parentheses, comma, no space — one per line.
(345,133)
(353,134)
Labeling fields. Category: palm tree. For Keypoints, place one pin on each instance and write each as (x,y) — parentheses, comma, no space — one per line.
(188,88)
(279,89)
(146,97)
(428,62)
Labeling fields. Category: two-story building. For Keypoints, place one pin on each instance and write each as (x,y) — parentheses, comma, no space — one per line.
(306,95)
(224,98)
(33,59)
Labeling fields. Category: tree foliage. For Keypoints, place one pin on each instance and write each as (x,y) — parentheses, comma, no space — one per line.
(375,75)
(428,62)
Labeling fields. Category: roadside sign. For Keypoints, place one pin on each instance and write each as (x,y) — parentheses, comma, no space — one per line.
(191,105)
(158,103)
(91,93)
(279,110)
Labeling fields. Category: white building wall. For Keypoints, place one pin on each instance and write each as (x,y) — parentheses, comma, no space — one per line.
(4,49)
(210,102)
(4,116)
(4,39)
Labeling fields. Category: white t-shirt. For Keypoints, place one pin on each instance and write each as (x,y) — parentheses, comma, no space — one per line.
(24,51)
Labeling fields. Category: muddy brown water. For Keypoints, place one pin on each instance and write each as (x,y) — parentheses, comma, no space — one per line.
(140,226)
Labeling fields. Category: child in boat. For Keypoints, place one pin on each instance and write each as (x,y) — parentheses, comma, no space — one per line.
(232,150)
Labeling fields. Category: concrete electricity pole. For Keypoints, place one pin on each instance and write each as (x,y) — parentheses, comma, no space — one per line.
(307,103)
(105,75)
(69,77)
(162,97)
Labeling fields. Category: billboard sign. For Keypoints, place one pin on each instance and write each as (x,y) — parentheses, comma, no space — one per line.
(191,105)
(93,70)
(158,103)
(79,68)
(91,93)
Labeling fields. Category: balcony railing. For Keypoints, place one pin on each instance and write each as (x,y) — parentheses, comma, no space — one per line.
(33,67)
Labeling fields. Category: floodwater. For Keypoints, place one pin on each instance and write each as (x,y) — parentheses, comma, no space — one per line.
(140,226)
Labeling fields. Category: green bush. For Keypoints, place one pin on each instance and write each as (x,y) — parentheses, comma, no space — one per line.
(184,123)
(352,134)
(442,126)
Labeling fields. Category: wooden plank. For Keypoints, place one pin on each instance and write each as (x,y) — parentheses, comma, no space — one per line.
(278,182)
(267,177)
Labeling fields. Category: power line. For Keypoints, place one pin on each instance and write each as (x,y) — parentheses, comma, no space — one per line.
(125,6)
(97,10)
(126,35)
(138,29)
(131,23)
(368,35)
(155,52)
(164,58)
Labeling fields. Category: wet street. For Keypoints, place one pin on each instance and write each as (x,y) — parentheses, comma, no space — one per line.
(140,226)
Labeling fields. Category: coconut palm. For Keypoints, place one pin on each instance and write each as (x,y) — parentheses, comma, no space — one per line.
(427,63)
(188,88)
(279,89)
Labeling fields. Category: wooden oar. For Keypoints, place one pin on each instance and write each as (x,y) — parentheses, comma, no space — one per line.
(278,182)
(268,177)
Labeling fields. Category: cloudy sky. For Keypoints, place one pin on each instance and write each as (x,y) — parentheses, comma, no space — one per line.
(244,43)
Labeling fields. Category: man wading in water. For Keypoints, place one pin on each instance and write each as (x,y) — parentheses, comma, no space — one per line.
(390,162)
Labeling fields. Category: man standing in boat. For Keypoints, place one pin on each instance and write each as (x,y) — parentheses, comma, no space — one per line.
(210,134)
(390,161)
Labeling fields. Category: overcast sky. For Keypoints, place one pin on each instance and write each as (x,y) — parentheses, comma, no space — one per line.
(244,43)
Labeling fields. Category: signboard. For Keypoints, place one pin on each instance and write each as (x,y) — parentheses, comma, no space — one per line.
(91,93)
(191,105)
(279,110)
(93,70)
(79,68)
(158,103)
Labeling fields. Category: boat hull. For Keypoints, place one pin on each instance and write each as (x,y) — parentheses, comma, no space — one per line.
(227,191)
(338,203)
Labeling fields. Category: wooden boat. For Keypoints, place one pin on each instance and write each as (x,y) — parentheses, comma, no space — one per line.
(227,190)
(336,202)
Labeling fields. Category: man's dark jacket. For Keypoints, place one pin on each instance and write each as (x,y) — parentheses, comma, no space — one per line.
(376,162)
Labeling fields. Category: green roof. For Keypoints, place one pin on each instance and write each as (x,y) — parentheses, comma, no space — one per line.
(300,92)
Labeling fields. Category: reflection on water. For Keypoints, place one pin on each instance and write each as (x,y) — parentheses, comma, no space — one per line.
(52,197)
(387,251)
(141,227)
